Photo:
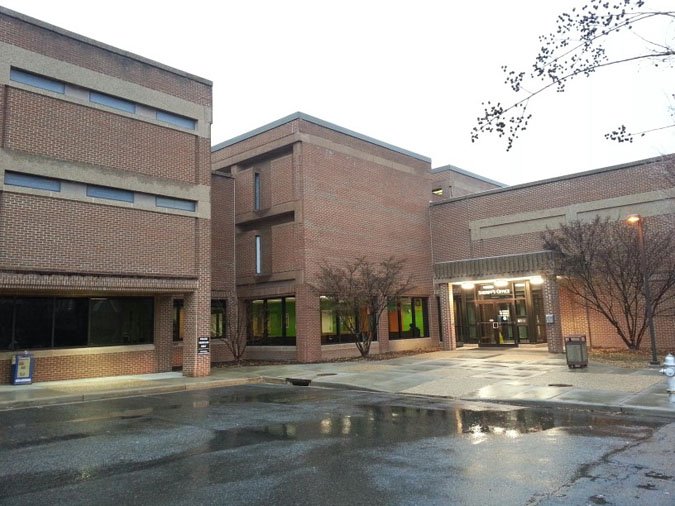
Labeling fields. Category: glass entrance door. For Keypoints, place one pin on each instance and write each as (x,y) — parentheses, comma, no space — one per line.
(496,325)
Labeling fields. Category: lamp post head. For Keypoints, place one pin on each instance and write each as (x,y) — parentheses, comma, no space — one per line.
(633,219)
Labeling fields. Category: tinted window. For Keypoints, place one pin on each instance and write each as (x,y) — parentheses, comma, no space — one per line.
(37,81)
(30,181)
(103,192)
(110,101)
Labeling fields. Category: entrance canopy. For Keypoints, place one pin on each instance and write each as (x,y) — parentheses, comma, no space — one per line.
(490,267)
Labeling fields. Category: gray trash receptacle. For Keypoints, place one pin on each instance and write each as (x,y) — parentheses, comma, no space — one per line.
(576,351)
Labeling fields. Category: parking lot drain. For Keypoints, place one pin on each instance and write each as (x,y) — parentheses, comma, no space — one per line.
(299,382)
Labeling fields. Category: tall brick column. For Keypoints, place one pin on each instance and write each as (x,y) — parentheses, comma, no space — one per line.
(197,307)
(163,332)
(308,324)
(447,317)
(551,294)
(383,332)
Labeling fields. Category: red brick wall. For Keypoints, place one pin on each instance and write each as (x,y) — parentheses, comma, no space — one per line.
(222,236)
(280,181)
(58,129)
(64,367)
(450,221)
(48,234)
(67,49)
(353,207)
(455,184)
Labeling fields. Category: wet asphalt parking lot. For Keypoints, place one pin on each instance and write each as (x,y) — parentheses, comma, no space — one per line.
(282,444)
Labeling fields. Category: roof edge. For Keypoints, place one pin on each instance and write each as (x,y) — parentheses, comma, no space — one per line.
(92,42)
(468,174)
(635,163)
(311,119)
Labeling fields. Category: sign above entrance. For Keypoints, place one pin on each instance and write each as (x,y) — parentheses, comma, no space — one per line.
(495,292)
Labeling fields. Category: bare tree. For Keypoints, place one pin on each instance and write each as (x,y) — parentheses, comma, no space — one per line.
(579,47)
(359,291)
(600,263)
(237,326)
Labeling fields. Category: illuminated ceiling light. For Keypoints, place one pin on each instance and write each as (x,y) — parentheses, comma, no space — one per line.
(520,285)
(537,280)
(501,283)
(468,286)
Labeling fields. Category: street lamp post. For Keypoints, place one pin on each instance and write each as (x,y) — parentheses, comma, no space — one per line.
(636,219)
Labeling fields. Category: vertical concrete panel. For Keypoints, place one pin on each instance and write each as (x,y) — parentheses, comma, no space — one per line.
(163,332)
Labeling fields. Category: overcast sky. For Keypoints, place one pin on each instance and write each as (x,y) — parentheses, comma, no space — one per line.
(409,73)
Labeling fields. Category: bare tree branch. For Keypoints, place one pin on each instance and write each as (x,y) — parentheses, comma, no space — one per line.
(576,48)
(600,264)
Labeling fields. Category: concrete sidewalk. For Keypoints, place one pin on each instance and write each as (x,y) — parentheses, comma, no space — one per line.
(521,376)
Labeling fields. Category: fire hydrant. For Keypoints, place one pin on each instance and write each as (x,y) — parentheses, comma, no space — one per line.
(669,371)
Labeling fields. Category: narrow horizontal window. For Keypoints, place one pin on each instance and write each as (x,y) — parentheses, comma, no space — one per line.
(176,120)
(170,203)
(30,181)
(37,81)
(110,101)
(104,192)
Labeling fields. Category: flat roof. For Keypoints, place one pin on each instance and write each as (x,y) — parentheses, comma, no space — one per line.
(86,40)
(467,173)
(320,122)
(636,163)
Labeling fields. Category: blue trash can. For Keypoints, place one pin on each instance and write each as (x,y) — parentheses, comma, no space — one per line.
(23,365)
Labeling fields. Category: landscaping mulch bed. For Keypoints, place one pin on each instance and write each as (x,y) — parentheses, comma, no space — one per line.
(622,357)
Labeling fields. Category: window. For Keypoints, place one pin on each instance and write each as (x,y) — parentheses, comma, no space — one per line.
(256,191)
(44,83)
(408,318)
(437,191)
(116,321)
(272,321)
(176,120)
(178,320)
(334,329)
(258,254)
(59,322)
(171,203)
(95,97)
(30,181)
(104,192)
(110,101)
(218,315)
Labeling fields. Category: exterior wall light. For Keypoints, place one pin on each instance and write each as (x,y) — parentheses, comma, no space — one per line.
(636,219)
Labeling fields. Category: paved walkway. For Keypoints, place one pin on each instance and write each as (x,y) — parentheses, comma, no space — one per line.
(521,376)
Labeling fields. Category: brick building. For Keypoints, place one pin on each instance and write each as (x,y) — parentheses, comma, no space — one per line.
(493,276)
(308,192)
(121,244)
(104,206)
